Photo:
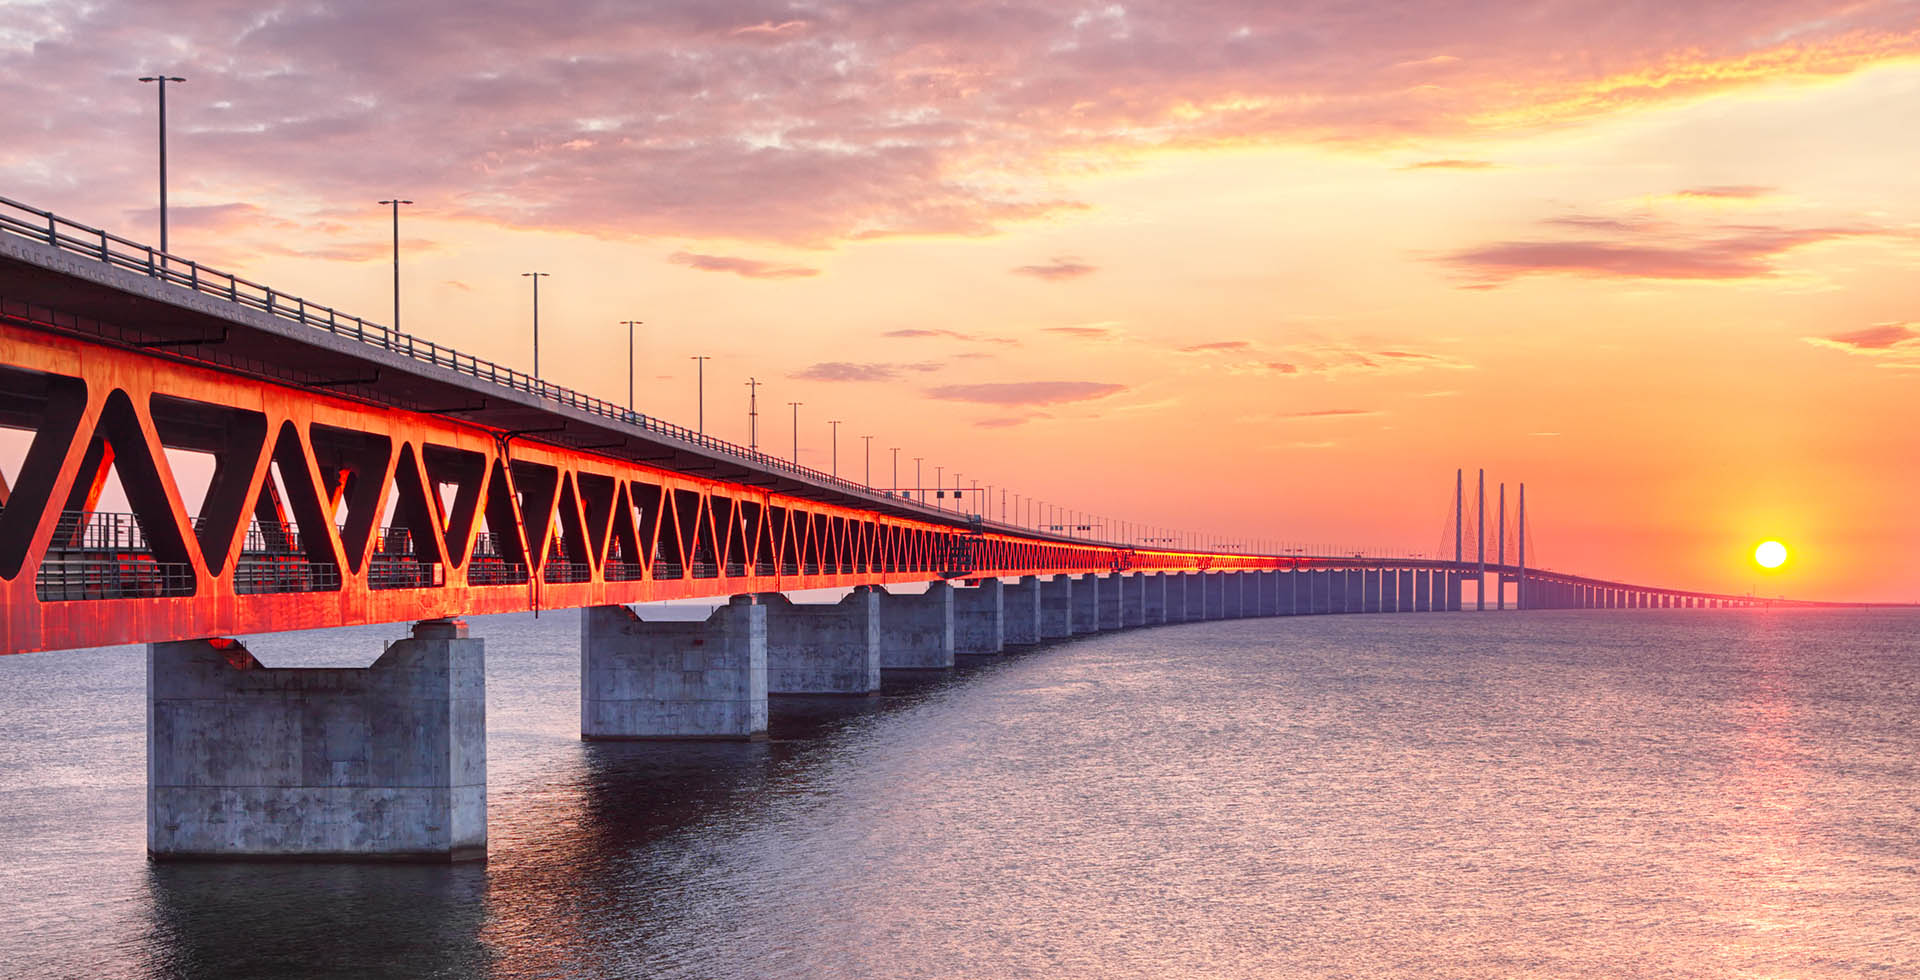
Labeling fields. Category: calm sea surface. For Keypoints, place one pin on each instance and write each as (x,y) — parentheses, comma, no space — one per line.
(1556,795)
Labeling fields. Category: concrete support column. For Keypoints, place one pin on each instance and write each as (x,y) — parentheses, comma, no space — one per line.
(383,762)
(1153,598)
(979,619)
(1375,584)
(669,680)
(1213,591)
(1133,599)
(818,648)
(1086,604)
(1422,590)
(1020,603)
(1319,592)
(1299,596)
(1113,592)
(1454,583)
(1233,600)
(1348,590)
(1403,590)
(1268,593)
(1056,608)
(916,631)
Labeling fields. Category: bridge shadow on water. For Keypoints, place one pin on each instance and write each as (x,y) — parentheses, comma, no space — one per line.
(583,856)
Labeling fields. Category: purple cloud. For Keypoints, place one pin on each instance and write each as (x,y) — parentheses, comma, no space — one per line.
(847,371)
(1746,252)
(1217,346)
(1026,392)
(1889,340)
(748,268)
(1060,269)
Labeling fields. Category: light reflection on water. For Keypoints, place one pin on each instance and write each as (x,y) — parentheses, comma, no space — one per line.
(1554,795)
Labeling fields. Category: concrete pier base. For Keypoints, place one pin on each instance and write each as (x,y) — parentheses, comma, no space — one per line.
(674,680)
(387,762)
(1133,599)
(979,619)
(1372,582)
(1153,599)
(1020,605)
(1113,595)
(1213,593)
(1056,608)
(916,631)
(1086,604)
(823,649)
(1233,595)
(1389,590)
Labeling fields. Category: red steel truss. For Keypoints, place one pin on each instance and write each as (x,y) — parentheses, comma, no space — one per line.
(323,511)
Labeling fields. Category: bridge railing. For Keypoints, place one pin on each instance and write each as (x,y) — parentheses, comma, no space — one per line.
(31,223)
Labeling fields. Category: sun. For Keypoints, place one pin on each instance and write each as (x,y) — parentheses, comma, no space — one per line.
(1770,554)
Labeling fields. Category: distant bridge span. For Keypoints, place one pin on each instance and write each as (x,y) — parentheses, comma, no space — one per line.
(506,493)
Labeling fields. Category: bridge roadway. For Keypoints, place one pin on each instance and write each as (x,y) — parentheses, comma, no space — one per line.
(354,474)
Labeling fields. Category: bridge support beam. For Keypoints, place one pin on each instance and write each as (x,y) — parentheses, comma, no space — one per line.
(1153,598)
(979,619)
(1454,582)
(1020,602)
(916,631)
(1422,590)
(381,762)
(1299,602)
(674,680)
(1113,593)
(1267,593)
(1133,601)
(1086,604)
(1319,582)
(1389,590)
(816,648)
(1372,579)
(1056,608)
(1233,587)
(1186,597)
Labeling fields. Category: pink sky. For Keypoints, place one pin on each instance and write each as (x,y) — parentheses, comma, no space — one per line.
(1260,270)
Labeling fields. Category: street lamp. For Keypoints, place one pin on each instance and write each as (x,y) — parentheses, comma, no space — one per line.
(536,277)
(835,471)
(753,414)
(939,488)
(916,478)
(869,440)
(895,485)
(796,431)
(630,358)
(700,393)
(396,202)
(163,80)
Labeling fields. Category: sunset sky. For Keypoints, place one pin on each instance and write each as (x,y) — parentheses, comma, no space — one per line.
(1266,270)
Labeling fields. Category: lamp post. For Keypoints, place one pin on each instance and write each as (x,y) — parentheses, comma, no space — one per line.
(835,470)
(396,202)
(796,431)
(162,81)
(939,485)
(536,277)
(895,450)
(753,414)
(700,393)
(869,440)
(630,359)
(916,479)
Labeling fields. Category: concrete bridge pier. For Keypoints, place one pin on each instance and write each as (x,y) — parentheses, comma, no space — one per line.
(1133,601)
(1056,607)
(1319,592)
(674,680)
(1233,595)
(1113,590)
(1213,592)
(1454,582)
(1374,582)
(1192,588)
(979,619)
(1299,601)
(1153,598)
(1403,590)
(916,631)
(1020,604)
(819,648)
(1389,590)
(1086,604)
(387,762)
(1422,590)
(1269,593)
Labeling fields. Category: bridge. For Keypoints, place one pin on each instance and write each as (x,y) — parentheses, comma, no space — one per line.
(287,466)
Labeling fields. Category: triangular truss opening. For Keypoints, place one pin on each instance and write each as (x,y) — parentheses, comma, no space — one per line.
(354,468)
(455,476)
